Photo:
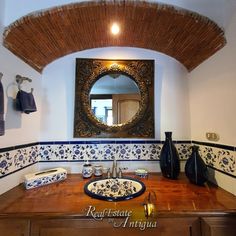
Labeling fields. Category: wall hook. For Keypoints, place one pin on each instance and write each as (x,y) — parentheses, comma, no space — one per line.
(20,79)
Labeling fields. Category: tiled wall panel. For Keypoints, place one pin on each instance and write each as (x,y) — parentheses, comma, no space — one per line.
(12,159)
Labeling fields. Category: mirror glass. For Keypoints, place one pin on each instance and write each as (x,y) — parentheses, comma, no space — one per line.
(114,99)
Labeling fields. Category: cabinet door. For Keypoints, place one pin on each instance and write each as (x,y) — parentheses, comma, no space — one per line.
(218,226)
(88,227)
(184,226)
(13,227)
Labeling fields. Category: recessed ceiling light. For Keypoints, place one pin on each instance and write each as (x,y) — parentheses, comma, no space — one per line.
(115,29)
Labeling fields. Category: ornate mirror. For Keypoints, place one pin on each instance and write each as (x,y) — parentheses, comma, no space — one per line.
(114,99)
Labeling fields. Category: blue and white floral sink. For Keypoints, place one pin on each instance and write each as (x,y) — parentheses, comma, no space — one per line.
(117,189)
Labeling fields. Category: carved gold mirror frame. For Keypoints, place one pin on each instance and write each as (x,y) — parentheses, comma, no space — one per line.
(88,71)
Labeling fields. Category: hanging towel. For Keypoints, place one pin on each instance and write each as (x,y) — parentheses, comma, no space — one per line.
(2,122)
(25,102)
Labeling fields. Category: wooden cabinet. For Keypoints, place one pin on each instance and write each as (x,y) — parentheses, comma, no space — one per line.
(165,226)
(14,227)
(88,227)
(218,226)
(70,227)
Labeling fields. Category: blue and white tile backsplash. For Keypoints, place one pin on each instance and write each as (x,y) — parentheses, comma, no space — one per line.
(219,158)
(12,159)
(103,152)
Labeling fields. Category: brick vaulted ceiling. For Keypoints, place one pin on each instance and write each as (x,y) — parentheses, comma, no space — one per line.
(41,37)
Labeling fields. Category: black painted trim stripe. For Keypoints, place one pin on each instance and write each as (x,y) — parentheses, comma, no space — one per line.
(112,142)
(216,145)
(227,147)
(7,149)
(226,173)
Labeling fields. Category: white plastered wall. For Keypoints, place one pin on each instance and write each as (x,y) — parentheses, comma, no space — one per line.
(212,89)
(20,128)
(171,93)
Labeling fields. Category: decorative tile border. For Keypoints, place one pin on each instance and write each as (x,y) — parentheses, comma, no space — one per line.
(12,159)
(105,152)
(15,158)
(184,150)
(219,159)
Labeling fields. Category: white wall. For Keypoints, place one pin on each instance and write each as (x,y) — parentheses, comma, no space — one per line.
(212,89)
(213,93)
(20,128)
(2,13)
(171,93)
(15,179)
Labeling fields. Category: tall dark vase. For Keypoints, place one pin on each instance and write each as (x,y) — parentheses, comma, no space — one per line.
(195,168)
(169,158)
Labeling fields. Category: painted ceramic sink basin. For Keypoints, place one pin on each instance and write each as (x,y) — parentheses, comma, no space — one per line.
(118,189)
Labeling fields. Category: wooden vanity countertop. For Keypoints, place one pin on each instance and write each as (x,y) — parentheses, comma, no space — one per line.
(67,198)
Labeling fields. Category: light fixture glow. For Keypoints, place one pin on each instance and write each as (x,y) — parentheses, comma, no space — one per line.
(115,29)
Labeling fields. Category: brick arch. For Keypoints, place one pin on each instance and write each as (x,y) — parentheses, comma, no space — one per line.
(41,37)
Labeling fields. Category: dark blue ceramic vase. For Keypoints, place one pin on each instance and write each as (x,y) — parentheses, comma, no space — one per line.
(169,158)
(195,168)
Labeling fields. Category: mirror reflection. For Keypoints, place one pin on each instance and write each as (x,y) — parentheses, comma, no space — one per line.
(115,99)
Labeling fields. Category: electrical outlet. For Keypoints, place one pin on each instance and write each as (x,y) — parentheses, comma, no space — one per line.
(212,136)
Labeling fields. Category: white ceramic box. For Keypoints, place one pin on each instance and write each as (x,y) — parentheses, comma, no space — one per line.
(45,177)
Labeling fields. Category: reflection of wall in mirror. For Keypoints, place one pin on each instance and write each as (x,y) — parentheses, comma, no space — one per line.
(124,106)
(108,85)
(100,108)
